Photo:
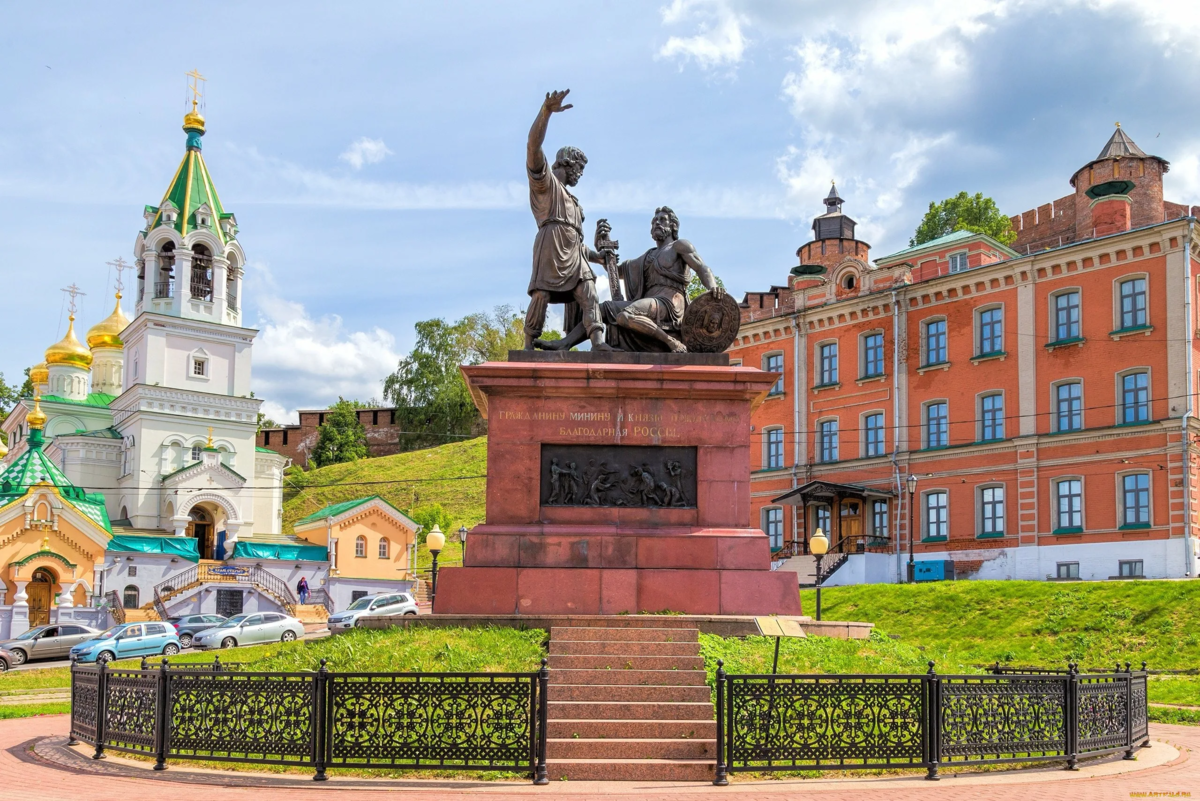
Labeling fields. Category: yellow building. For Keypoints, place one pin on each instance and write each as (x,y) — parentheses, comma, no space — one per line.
(53,536)
(369,543)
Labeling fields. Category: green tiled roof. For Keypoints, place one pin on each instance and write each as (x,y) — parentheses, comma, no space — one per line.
(35,467)
(190,189)
(345,506)
(943,241)
(98,399)
(261,449)
(101,433)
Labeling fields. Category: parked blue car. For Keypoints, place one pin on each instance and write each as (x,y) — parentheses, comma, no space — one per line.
(129,640)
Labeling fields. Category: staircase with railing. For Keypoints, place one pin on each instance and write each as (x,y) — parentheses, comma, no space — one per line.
(321,597)
(115,608)
(218,573)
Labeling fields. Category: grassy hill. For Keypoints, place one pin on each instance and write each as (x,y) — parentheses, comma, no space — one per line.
(450,475)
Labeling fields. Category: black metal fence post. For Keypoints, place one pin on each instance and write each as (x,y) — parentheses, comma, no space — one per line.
(1072,716)
(101,708)
(320,724)
(722,779)
(160,718)
(541,774)
(933,724)
(1129,712)
(71,740)
(1146,678)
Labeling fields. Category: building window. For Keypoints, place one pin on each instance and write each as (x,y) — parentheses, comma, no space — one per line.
(1135,498)
(829,441)
(356,594)
(1135,397)
(992,508)
(879,518)
(1067,570)
(773,526)
(774,448)
(823,519)
(991,417)
(937,519)
(129,598)
(773,363)
(132,571)
(873,424)
(872,345)
(958,262)
(1068,406)
(1133,303)
(383,548)
(1130,568)
(935,342)
(1069,504)
(196,449)
(991,332)
(360,546)
(1066,316)
(937,425)
(199,366)
(828,358)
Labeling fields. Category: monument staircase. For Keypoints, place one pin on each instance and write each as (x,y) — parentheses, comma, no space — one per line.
(629,702)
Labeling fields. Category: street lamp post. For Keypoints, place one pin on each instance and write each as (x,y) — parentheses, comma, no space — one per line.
(912,490)
(462,537)
(435,541)
(818,544)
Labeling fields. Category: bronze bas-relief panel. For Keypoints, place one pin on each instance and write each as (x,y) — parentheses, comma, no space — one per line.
(618,475)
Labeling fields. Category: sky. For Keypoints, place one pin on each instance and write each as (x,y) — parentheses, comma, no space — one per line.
(373,152)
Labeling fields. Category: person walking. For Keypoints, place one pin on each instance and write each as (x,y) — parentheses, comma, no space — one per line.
(302,590)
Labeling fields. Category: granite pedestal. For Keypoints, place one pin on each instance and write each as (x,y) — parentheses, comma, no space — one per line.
(563,547)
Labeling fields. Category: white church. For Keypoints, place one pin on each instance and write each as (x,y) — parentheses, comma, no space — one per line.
(158,417)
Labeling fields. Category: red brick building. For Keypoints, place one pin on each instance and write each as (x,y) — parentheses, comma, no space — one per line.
(1043,395)
(298,441)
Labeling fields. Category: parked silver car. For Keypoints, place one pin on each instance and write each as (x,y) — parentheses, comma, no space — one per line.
(48,642)
(386,604)
(257,627)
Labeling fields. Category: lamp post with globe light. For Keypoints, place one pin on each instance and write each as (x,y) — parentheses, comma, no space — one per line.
(818,545)
(435,541)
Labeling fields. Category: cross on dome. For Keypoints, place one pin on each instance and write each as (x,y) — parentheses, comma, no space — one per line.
(73,291)
(120,265)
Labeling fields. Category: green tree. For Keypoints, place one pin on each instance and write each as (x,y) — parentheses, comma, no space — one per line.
(433,403)
(9,395)
(964,212)
(695,289)
(429,515)
(266,422)
(26,390)
(342,438)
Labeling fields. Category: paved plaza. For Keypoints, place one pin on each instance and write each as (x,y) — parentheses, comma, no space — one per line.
(35,765)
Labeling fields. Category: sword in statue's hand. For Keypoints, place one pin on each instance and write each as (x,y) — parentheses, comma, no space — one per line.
(607,248)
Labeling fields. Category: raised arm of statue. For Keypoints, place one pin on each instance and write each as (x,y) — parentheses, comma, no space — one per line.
(535,159)
(687,251)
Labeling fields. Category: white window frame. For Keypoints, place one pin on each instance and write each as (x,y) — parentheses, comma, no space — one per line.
(944,523)
(1056,509)
(1053,301)
(384,550)
(982,310)
(1122,506)
(1118,311)
(887,518)
(360,547)
(981,496)
(962,255)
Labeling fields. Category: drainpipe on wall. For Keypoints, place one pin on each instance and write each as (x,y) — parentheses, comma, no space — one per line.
(1188,410)
(797,399)
(896,429)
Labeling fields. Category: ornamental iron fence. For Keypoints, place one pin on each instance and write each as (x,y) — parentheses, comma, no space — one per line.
(319,719)
(818,722)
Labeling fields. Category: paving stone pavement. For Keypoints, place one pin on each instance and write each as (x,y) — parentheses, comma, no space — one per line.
(35,766)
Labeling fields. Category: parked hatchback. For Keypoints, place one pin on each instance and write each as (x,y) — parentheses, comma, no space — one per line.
(189,626)
(396,603)
(129,640)
(47,642)
(249,629)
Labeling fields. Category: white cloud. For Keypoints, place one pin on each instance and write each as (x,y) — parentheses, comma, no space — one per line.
(304,362)
(365,151)
(719,39)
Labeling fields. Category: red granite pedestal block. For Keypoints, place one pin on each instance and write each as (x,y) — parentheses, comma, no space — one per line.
(534,556)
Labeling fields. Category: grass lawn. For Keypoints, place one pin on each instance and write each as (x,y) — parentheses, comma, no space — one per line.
(30,710)
(444,475)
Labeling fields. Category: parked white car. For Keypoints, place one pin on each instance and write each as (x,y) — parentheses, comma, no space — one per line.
(387,604)
(257,627)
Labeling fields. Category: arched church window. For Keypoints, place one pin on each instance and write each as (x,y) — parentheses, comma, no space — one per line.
(202,273)
(383,548)
(130,597)
(848,281)
(196,453)
(164,285)
(360,546)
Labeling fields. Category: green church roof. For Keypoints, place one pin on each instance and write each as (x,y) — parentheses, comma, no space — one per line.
(191,188)
(345,506)
(97,399)
(34,467)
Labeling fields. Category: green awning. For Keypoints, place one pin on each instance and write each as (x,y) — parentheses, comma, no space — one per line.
(183,547)
(281,551)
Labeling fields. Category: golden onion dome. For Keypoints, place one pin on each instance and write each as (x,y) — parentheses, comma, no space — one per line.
(69,350)
(39,374)
(3,450)
(107,332)
(36,417)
